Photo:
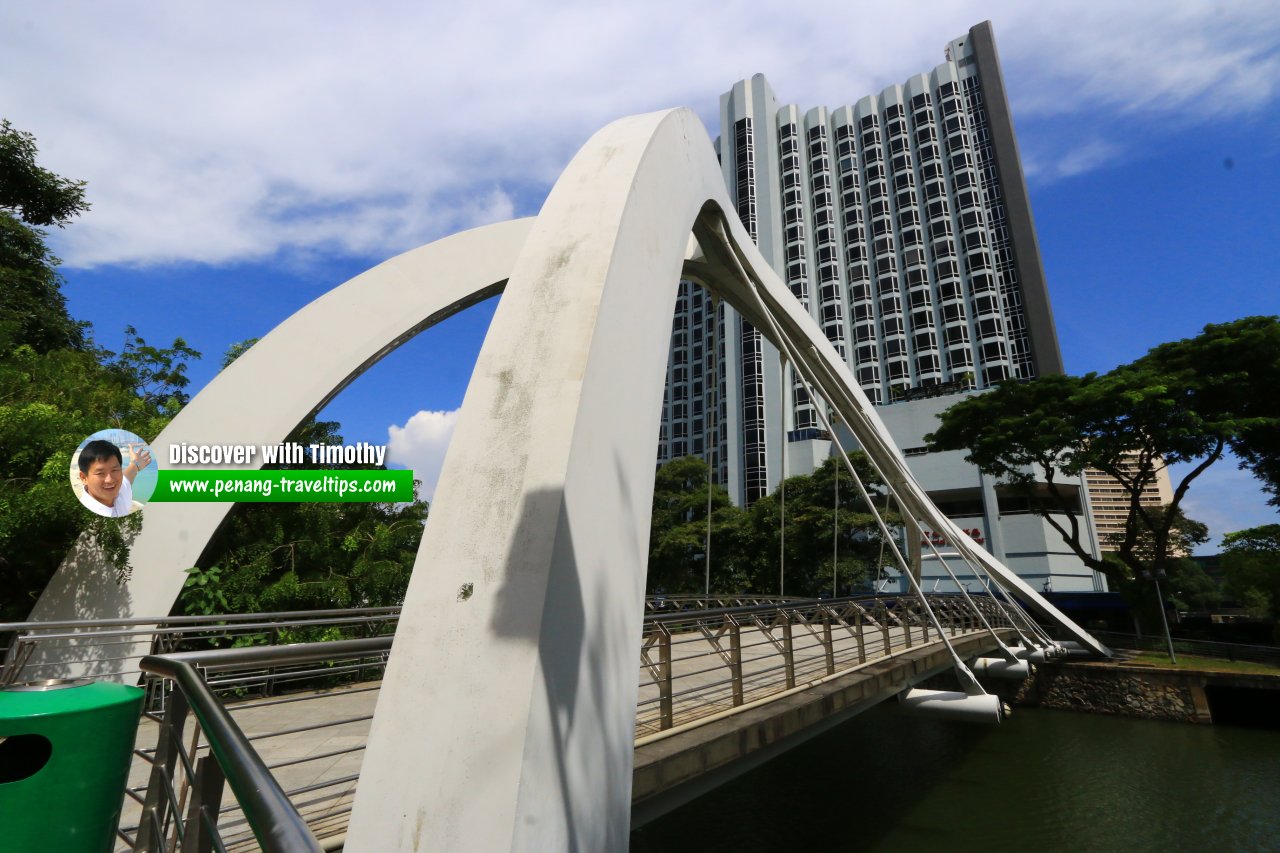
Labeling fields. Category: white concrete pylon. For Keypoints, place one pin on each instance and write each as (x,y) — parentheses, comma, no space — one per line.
(507,713)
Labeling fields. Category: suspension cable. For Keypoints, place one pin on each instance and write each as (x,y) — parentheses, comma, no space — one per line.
(972,604)
(963,671)
(1031,625)
(713,453)
(784,392)
(835,529)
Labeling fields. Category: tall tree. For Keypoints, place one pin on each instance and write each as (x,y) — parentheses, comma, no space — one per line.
(32,308)
(55,386)
(821,536)
(678,531)
(1189,401)
(301,556)
(1251,568)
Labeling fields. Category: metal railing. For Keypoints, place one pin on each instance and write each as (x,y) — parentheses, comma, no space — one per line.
(189,778)
(1204,648)
(682,602)
(695,664)
(109,644)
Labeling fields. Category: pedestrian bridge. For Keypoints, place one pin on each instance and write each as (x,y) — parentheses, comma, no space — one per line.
(513,676)
(724,683)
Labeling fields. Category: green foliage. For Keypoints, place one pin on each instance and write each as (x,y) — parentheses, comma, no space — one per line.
(310,556)
(1184,402)
(810,524)
(202,593)
(37,195)
(1190,587)
(1251,568)
(1184,535)
(745,544)
(677,534)
(158,376)
(236,350)
(56,387)
(48,403)
(32,307)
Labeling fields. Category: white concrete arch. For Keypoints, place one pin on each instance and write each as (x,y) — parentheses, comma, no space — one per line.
(260,398)
(507,711)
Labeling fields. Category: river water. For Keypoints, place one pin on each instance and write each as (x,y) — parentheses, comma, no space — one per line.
(1041,781)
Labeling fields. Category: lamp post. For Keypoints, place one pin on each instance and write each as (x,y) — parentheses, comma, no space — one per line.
(1164,620)
(835,538)
(832,417)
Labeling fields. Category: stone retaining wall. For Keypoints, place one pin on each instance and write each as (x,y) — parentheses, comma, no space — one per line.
(1102,688)
(1122,690)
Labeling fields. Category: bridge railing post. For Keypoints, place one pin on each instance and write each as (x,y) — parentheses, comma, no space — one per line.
(735,659)
(828,642)
(862,641)
(789,652)
(161,804)
(202,811)
(666,713)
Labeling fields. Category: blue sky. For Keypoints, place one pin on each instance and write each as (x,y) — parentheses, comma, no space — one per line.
(242,161)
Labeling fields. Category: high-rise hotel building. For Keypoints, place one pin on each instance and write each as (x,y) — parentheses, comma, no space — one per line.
(903,225)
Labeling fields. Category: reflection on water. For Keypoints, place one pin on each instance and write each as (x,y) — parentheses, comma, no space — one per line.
(1042,781)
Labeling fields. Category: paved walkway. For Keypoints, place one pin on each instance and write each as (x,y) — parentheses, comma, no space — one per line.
(314,742)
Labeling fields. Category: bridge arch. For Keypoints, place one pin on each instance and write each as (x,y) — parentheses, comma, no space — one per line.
(512,680)
(506,717)
(287,376)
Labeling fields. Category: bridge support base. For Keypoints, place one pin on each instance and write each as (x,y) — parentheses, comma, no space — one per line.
(1001,668)
(953,705)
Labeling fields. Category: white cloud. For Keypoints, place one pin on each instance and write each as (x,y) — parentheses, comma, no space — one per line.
(1081,157)
(1225,498)
(237,132)
(420,446)
(1207,59)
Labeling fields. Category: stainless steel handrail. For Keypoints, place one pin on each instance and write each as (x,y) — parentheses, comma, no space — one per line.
(1206,648)
(109,641)
(744,642)
(194,620)
(789,604)
(272,817)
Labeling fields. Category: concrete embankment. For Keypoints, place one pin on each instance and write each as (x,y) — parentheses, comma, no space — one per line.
(1149,692)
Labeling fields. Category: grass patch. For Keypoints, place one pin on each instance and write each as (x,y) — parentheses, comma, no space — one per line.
(1161,659)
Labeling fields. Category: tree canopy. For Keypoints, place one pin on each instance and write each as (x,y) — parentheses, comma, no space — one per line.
(746,544)
(57,387)
(302,556)
(1251,568)
(1187,401)
(32,307)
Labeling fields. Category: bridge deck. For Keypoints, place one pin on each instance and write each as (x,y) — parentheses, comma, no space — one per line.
(314,741)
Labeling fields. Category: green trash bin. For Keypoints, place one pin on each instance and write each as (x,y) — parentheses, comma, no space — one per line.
(65,748)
